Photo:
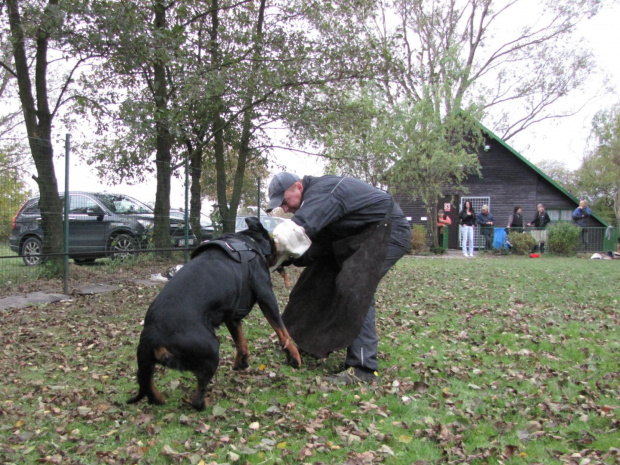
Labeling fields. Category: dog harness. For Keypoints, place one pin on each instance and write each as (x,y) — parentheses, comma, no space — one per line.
(235,248)
(242,252)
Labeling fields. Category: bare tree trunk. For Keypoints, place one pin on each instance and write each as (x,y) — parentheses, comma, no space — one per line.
(38,120)
(161,233)
(228,210)
(246,131)
(431,211)
(195,164)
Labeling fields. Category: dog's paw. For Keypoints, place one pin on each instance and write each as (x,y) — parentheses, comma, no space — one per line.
(241,361)
(156,400)
(241,366)
(293,360)
(198,402)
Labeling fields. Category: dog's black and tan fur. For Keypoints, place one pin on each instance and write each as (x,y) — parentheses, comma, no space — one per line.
(217,286)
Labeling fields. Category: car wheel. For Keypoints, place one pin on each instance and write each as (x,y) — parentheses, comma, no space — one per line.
(31,251)
(122,246)
(84,261)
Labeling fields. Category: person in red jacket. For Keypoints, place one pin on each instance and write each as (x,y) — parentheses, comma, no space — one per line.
(442,220)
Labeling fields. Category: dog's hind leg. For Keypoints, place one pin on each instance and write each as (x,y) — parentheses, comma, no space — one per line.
(203,377)
(146,370)
(241,344)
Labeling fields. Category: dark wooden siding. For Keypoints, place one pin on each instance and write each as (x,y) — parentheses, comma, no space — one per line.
(509,182)
(412,208)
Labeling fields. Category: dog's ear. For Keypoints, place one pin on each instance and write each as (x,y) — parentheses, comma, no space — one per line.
(261,235)
(254,224)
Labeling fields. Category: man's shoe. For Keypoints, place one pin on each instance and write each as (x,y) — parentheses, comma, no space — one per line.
(353,375)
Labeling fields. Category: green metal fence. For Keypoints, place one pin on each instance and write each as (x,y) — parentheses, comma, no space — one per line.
(599,240)
(591,239)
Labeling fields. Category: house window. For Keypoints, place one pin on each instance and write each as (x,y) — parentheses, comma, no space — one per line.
(476,203)
(556,214)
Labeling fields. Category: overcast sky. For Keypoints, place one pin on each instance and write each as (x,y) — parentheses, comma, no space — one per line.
(565,139)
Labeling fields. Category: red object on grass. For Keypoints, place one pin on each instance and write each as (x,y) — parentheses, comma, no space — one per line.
(534,255)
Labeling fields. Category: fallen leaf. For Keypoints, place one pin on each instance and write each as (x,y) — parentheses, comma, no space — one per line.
(532,426)
(168,451)
(420,387)
(509,451)
(83,411)
(218,411)
(202,428)
(523,435)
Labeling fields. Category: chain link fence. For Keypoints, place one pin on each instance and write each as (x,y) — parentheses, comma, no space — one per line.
(105,229)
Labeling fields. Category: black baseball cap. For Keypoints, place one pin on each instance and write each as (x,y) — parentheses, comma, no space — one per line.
(278,186)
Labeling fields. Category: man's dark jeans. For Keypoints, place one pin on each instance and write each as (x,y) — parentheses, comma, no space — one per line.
(487,232)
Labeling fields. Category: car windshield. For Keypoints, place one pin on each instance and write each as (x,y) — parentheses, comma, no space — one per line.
(123,205)
(270,223)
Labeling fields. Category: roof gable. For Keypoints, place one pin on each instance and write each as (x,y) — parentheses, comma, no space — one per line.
(538,171)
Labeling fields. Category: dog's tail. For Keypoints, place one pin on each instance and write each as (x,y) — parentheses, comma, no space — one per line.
(147,358)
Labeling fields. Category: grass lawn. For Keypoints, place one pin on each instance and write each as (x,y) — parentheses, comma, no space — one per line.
(13,270)
(492,360)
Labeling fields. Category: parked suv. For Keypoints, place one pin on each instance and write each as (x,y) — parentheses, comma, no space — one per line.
(100,225)
(206,227)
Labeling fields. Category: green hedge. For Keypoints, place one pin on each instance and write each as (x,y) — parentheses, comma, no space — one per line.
(563,238)
(521,243)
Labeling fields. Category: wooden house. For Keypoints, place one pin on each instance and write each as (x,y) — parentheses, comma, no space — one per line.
(506,180)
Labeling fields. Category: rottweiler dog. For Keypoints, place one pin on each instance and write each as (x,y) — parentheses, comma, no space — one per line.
(220,284)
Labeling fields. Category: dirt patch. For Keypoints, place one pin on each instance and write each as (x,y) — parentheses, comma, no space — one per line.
(99,273)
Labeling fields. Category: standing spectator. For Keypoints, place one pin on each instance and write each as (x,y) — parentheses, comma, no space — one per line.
(581,215)
(540,222)
(442,220)
(467,218)
(515,222)
(485,220)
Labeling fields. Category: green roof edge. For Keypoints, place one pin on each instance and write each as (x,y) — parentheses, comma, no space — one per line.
(536,169)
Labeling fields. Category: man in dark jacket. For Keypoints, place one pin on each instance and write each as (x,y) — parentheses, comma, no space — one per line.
(581,217)
(331,210)
(540,222)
